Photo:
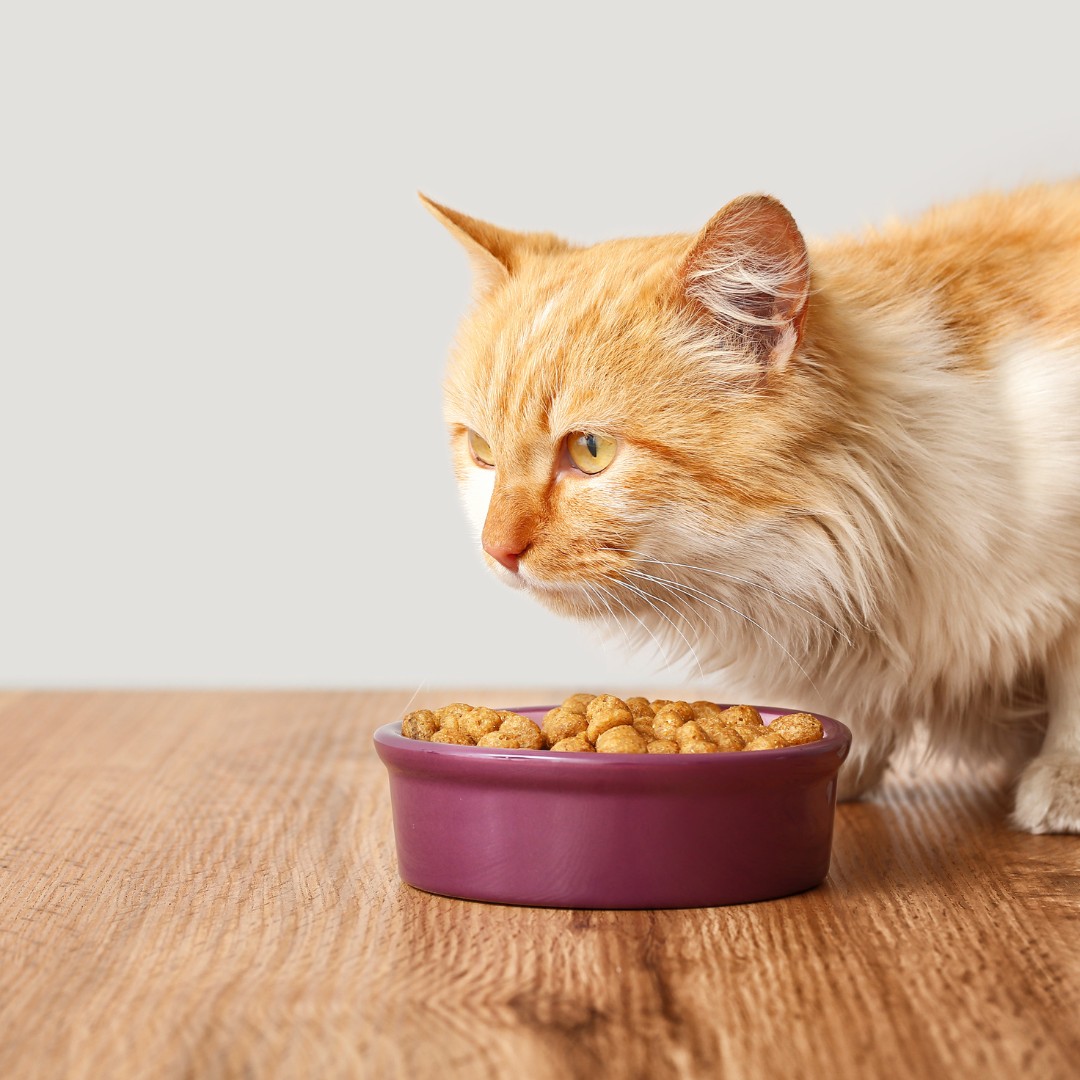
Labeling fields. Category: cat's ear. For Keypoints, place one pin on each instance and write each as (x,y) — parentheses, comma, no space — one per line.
(749,274)
(491,250)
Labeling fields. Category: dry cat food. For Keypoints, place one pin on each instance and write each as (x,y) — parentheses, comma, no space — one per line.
(609,725)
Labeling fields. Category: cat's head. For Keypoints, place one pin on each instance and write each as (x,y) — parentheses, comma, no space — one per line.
(635,408)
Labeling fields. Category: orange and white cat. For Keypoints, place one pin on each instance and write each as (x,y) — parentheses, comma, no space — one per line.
(847,475)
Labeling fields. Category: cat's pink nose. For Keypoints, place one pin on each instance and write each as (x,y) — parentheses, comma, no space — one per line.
(505,554)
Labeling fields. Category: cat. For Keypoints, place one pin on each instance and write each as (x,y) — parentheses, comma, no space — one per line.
(844,474)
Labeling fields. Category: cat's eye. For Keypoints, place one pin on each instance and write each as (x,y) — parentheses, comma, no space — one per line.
(590,453)
(480,450)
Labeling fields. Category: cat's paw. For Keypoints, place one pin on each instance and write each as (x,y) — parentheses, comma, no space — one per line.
(1048,795)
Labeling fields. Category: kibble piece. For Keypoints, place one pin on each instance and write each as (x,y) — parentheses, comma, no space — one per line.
(798,728)
(659,703)
(746,714)
(643,726)
(453,736)
(667,721)
(604,713)
(604,703)
(478,722)
(728,740)
(663,746)
(727,736)
(578,702)
(698,746)
(744,719)
(712,726)
(749,732)
(456,722)
(449,715)
(640,708)
(523,729)
(562,724)
(451,710)
(704,709)
(771,740)
(681,708)
(620,740)
(505,714)
(420,724)
(690,732)
(578,744)
(584,699)
(499,740)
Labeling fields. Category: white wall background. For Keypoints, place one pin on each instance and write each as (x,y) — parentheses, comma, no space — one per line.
(224,314)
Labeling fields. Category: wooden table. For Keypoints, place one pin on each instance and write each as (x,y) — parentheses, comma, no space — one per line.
(204,885)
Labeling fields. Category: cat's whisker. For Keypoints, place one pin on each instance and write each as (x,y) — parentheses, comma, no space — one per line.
(619,622)
(643,557)
(408,704)
(612,596)
(612,617)
(707,626)
(667,586)
(644,596)
(590,601)
(641,622)
(705,598)
(593,602)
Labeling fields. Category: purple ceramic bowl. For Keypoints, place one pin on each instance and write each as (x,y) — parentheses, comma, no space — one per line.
(583,830)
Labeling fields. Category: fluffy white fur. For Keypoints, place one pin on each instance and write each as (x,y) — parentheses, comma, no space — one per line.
(936,576)
(951,568)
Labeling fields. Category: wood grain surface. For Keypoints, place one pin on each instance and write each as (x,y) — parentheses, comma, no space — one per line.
(204,885)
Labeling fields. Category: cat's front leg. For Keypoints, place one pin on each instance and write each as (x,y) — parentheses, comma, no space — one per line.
(1048,794)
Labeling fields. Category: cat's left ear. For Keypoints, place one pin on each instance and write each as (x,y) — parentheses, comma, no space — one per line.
(490,249)
(494,252)
(748,272)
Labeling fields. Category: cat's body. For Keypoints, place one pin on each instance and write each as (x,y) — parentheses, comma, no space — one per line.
(847,477)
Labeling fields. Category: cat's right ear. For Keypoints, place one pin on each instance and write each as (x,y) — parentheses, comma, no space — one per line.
(491,250)
(748,276)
